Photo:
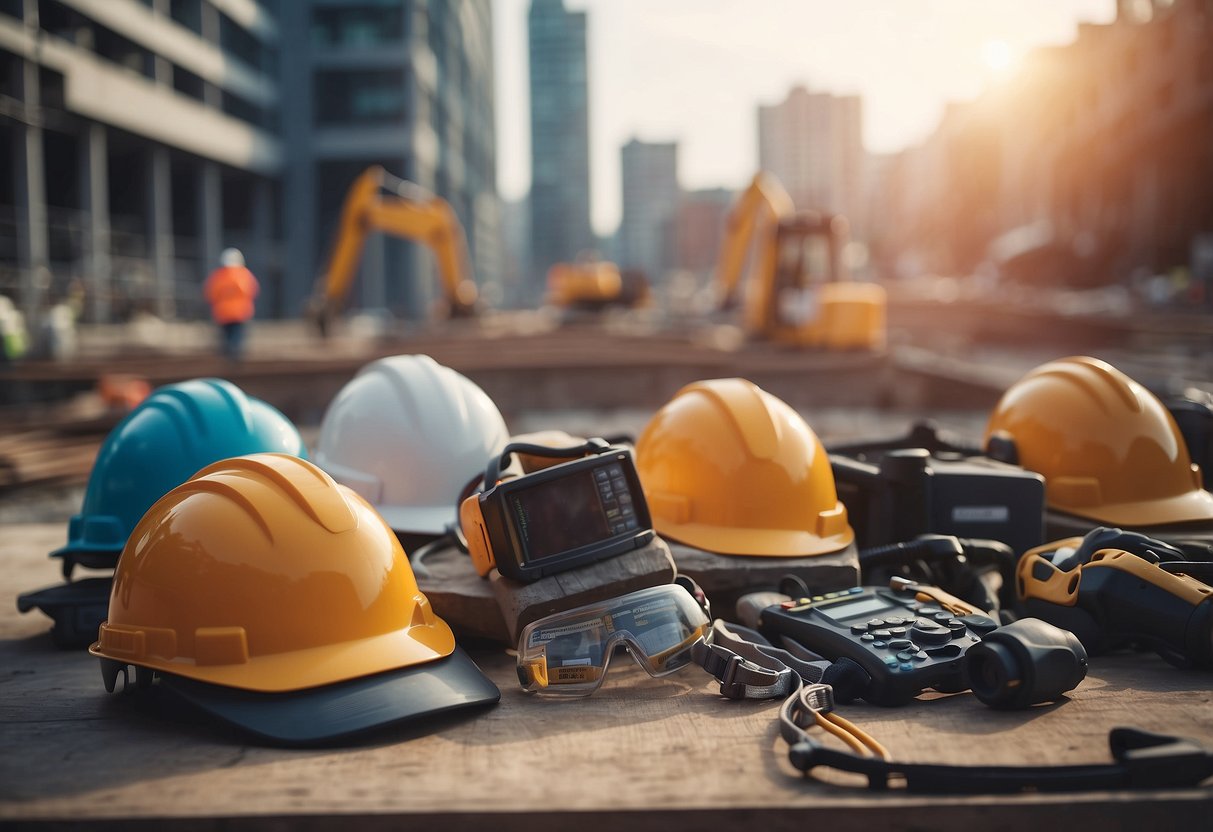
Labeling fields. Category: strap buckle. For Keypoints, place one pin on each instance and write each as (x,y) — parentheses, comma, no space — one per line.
(724,664)
(721,663)
(729,685)
(818,697)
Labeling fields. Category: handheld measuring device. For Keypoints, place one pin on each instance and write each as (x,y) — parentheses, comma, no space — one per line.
(890,644)
(1112,589)
(903,644)
(556,518)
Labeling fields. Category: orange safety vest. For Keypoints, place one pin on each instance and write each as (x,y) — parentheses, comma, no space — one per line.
(230,291)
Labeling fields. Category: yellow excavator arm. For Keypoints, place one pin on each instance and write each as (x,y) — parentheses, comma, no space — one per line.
(378,201)
(753,220)
(796,290)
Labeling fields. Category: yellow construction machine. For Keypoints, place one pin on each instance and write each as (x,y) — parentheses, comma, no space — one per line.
(796,291)
(378,201)
(595,285)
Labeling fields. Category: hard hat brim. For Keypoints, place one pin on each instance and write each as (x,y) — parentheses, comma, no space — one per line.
(1192,507)
(334,712)
(76,607)
(785,543)
(89,557)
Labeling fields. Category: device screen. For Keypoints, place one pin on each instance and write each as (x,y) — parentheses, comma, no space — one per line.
(863,606)
(559,515)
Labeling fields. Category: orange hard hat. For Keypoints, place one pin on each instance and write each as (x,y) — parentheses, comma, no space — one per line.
(1106,446)
(262,574)
(729,468)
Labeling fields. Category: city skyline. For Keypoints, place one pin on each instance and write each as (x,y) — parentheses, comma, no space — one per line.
(922,54)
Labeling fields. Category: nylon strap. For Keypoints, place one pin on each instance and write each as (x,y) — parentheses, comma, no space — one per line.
(749,667)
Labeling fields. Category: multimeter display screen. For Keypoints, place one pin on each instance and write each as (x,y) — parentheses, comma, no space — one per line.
(560,515)
(863,607)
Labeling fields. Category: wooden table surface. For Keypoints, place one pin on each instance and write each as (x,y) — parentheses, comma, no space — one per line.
(640,754)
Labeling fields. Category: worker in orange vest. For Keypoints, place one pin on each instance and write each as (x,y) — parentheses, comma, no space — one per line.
(230,290)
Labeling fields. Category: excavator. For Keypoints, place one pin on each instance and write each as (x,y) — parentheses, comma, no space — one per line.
(379,201)
(595,285)
(796,291)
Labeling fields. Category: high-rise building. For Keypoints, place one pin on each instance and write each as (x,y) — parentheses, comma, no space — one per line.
(146,135)
(813,143)
(141,138)
(516,248)
(1094,167)
(701,219)
(648,230)
(407,85)
(560,143)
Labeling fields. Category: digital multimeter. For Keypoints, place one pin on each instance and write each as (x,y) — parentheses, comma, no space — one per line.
(905,643)
(559,517)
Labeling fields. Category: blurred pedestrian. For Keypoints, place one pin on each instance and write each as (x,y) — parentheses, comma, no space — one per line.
(12,331)
(231,290)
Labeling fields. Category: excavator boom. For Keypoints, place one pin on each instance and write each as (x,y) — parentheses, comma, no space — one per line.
(378,201)
(796,291)
(755,214)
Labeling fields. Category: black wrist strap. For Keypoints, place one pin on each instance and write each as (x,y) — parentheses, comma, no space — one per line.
(1142,761)
(493,471)
(749,667)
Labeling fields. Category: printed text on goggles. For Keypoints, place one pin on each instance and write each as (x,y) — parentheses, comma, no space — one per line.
(568,653)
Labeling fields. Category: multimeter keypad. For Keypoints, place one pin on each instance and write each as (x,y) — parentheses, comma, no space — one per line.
(915,646)
(616,499)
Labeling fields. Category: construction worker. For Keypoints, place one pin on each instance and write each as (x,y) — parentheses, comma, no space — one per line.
(231,290)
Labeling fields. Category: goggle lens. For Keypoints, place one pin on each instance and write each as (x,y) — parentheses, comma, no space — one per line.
(569,652)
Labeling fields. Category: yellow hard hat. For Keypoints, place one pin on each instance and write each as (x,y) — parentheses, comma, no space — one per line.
(262,574)
(727,467)
(1107,447)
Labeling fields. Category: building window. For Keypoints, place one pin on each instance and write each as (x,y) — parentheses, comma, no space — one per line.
(367,25)
(114,47)
(238,43)
(374,96)
(187,83)
(59,20)
(188,13)
(237,107)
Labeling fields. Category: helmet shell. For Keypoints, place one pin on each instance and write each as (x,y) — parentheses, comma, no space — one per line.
(409,434)
(729,468)
(262,573)
(1107,447)
(174,432)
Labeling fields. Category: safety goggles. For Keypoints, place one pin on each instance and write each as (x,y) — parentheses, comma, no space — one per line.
(568,653)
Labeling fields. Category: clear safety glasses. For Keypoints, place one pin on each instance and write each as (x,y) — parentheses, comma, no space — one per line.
(568,653)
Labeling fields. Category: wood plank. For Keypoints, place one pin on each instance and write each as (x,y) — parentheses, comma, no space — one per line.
(645,753)
(725,578)
(522,603)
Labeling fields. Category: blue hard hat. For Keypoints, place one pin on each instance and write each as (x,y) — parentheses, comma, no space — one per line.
(176,431)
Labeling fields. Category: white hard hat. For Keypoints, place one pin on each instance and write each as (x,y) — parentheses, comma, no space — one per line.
(231,257)
(409,434)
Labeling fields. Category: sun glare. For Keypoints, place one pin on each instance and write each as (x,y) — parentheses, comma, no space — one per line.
(998,56)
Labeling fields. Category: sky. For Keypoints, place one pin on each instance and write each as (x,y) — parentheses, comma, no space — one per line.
(695,71)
